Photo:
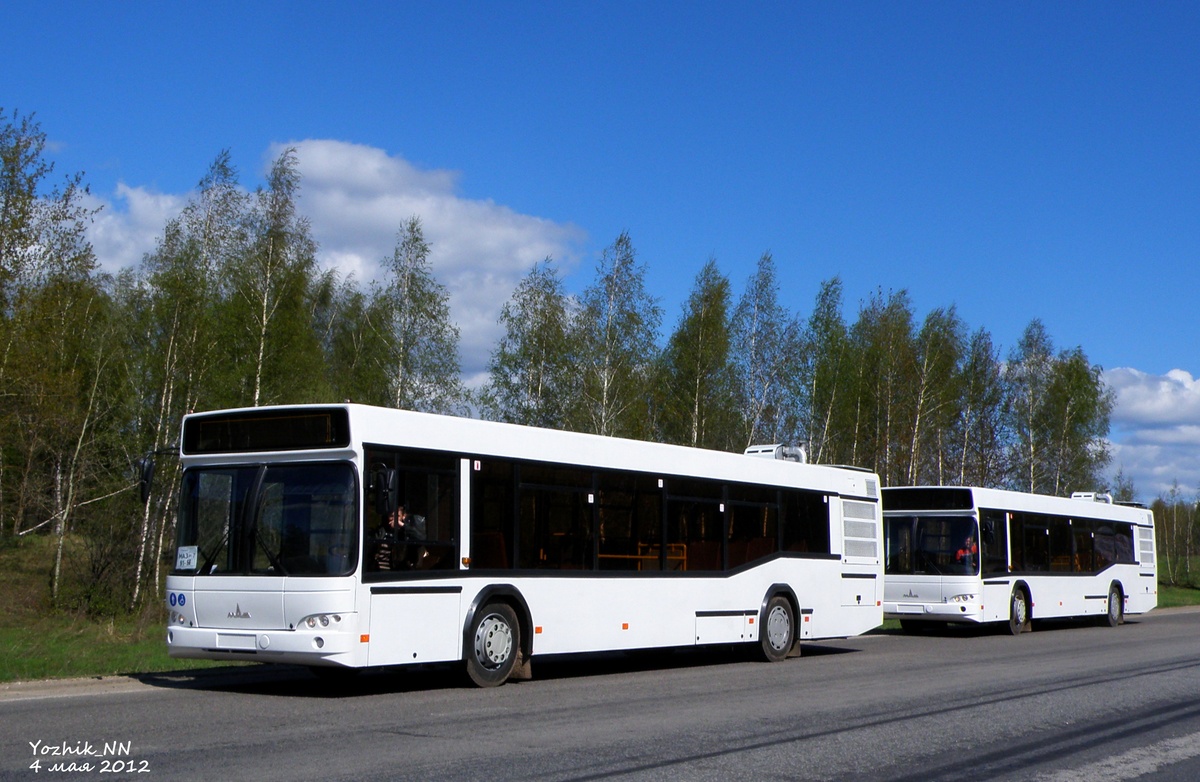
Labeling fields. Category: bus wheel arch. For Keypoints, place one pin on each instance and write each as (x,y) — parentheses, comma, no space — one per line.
(497,637)
(1115,605)
(1020,609)
(778,629)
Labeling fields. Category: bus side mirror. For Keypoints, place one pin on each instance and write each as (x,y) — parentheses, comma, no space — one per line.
(385,482)
(145,473)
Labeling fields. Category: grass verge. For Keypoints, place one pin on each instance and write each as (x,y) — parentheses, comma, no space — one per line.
(1175,596)
(39,642)
(66,646)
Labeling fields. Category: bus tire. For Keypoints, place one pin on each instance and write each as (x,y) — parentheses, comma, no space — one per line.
(778,629)
(493,645)
(1018,611)
(1115,614)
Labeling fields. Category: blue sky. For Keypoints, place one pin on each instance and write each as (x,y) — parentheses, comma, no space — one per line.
(1015,160)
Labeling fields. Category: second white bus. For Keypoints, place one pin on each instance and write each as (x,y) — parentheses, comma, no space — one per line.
(972,555)
(518,542)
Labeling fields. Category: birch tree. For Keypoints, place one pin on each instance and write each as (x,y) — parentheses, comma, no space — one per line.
(766,353)
(1026,379)
(614,342)
(696,390)
(422,339)
(935,396)
(175,305)
(883,339)
(826,362)
(979,431)
(529,370)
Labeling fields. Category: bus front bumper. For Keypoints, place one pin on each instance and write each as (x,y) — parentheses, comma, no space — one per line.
(935,612)
(296,646)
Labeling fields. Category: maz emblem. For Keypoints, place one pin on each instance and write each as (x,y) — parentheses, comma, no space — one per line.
(909,593)
(236,613)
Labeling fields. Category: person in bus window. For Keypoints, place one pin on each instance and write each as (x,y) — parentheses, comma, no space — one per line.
(965,556)
(393,539)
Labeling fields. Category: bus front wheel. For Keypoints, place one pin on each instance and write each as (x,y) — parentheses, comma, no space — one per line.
(778,631)
(1116,606)
(1018,611)
(494,644)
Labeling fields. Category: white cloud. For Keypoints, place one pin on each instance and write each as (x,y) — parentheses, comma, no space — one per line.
(128,226)
(1155,400)
(1156,429)
(357,197)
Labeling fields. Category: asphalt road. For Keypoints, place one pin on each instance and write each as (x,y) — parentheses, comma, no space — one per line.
(1066,703)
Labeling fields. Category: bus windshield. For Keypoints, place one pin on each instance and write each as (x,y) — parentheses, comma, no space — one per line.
(932,545)
(277,520)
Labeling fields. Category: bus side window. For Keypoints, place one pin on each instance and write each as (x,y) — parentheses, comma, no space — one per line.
(805,522)
(493,514)
(994,542)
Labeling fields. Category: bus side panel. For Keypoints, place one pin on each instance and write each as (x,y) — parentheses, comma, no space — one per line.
(581,615)
(414,627)
(1141,593)
(996,600)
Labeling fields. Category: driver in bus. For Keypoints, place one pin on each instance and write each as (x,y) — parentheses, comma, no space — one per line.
(394,536)
(965,556)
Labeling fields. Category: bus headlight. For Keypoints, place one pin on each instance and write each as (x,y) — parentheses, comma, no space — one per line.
(963,599)
(321,620)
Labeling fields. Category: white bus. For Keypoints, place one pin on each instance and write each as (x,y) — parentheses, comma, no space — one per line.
(984,555)
(518,542)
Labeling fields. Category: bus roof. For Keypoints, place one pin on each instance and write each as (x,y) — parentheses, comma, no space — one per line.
(949,498)
(369,425)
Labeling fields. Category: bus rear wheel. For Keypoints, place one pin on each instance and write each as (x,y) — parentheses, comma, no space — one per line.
(1018,611)
(494,643)
(1116,606)
(778,631)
